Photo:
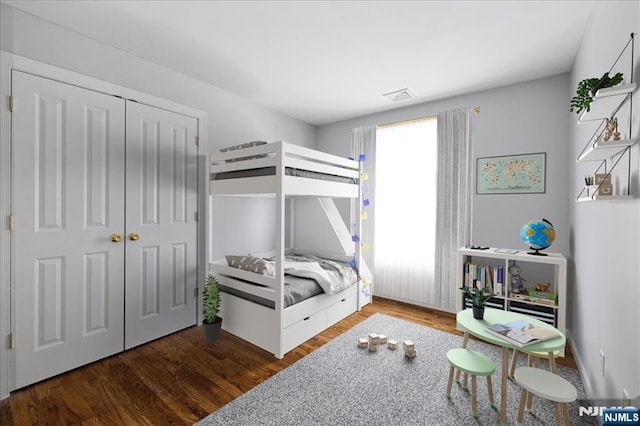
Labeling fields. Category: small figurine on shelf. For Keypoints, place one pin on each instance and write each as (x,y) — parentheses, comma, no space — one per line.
(516,279)
(609,129)
(542,286)
(616,133)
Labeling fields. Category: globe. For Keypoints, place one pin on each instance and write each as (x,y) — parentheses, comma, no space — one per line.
(539,234)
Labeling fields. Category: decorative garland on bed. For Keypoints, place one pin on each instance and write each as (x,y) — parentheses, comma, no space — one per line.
(363,216)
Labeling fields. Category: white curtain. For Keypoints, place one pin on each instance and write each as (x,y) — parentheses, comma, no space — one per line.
(405,211)
(363,143)
(454,201)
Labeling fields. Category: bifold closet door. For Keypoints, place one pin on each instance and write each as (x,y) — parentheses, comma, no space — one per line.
(161,200)
(68,202)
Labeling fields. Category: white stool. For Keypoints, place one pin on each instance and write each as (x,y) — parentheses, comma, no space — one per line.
(549,386)
(533,360)
(474,364)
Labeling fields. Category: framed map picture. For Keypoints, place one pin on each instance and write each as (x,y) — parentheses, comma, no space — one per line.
(511,174)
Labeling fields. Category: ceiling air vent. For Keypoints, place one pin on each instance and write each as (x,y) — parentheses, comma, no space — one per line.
(399,95)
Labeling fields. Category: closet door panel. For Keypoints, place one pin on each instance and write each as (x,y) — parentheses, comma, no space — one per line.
(148,149)
(161,202)
(68,198)
(149,282)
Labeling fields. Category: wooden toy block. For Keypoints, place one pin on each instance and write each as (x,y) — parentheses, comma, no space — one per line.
(602,178)
(603,189)
(392,344)
(373,348)
(410,354)
(383,339)
(363,342)
(408,345)
(374,339)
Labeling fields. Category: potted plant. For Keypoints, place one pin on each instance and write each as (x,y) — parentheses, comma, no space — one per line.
(478,298)
(587,89)
(211,322)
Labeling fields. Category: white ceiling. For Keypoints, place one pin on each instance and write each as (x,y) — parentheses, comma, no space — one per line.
(326,61)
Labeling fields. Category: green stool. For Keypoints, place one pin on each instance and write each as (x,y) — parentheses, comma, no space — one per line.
(474,364)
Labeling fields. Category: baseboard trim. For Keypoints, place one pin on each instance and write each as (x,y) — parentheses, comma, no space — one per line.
(577,357)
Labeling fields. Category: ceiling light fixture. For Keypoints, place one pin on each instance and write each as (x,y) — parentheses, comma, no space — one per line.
(399,95)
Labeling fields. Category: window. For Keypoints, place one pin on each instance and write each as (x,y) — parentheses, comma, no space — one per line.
(405,210)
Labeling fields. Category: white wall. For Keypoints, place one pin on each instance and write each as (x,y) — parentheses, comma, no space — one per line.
(517,119)
(604,275)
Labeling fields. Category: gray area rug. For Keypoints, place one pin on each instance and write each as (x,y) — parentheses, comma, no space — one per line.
(341,384)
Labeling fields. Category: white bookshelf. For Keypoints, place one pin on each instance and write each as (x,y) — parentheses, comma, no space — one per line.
(555,315)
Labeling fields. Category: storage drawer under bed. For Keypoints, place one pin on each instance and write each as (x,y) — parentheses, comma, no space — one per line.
(342,309)
(304,330)
(312,325)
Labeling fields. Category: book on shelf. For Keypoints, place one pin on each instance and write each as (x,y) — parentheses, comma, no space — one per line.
(498,280)
(527,298)
(479,277)
(521,333)
(483,279)
(542,294)
(504,250)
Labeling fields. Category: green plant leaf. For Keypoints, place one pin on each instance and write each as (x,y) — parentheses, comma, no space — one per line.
(210,300)
(587,89)
(478,297)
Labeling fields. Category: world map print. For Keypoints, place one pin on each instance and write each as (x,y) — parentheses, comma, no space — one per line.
(511,174)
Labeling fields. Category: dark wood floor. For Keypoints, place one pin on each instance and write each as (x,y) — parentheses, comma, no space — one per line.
(179,379)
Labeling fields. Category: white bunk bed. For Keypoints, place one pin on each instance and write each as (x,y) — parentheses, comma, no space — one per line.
(287,171)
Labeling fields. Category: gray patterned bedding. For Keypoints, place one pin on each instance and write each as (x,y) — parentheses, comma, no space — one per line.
(290,171)
(305,276)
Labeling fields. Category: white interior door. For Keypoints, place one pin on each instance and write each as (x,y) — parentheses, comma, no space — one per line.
(161,200)
(68,198)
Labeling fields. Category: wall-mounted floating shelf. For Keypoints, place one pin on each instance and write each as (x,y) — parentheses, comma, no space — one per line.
(606,102)
(597,197)
(603,150)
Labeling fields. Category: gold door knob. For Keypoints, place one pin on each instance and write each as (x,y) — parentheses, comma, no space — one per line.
(116,238)
(134,236)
